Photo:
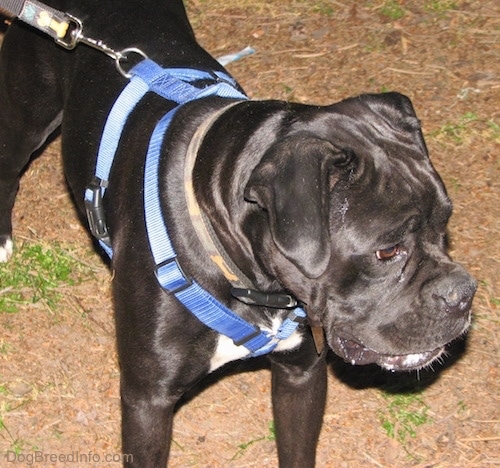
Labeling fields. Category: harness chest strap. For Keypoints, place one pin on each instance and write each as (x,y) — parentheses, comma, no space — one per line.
(173,280)
(173,84)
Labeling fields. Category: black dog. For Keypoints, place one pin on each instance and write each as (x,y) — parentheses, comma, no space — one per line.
(336,208)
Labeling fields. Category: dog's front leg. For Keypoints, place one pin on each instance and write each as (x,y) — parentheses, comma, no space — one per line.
(299,384)
(146,430)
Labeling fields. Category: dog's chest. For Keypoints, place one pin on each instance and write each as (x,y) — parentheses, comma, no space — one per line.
(226,351)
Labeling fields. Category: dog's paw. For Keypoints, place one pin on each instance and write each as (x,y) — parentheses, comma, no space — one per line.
(6,248)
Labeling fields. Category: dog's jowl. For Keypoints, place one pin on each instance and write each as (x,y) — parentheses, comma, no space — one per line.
(235,227)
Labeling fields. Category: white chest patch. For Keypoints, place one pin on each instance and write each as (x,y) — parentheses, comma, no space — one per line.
(227,351)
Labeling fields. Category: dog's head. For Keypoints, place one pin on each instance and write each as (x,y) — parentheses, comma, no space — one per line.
(353,221)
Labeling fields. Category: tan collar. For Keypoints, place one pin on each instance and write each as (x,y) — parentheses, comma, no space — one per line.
(202,225)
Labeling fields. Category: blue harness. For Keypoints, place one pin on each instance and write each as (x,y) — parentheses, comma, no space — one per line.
(176,85)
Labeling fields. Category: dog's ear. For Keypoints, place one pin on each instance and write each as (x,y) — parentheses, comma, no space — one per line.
(292,183)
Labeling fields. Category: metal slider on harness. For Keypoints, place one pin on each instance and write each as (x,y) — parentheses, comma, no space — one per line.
(257,331)
(171,276)
(297,315)
(95,211)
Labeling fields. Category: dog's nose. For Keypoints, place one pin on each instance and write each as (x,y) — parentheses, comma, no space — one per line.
(457,304)
(456,296)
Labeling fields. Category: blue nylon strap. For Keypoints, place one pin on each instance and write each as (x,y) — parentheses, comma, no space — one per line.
(174,83)
(159,240)
(113,128)
(118,116)
(286,329)
(170,276)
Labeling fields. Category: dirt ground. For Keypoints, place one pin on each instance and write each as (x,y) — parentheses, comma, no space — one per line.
(59,375)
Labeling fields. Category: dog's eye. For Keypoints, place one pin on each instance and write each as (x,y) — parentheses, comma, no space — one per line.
(388,254)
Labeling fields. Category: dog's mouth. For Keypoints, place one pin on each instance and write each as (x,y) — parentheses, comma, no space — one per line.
(357,354)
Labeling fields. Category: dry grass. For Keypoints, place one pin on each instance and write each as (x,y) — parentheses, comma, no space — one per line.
(58,374)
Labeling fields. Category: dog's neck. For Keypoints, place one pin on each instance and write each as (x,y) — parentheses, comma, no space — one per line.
(242,287)
(201,224)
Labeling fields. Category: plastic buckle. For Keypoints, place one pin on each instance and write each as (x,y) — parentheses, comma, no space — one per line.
(171,276)
(257,298)
(95,212)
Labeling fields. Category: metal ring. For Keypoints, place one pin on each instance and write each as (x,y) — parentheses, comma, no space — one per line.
(123,56)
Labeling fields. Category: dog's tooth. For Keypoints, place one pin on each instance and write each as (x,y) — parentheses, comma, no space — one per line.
(413,359)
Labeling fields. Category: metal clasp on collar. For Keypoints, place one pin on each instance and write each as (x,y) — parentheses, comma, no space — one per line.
(172,277)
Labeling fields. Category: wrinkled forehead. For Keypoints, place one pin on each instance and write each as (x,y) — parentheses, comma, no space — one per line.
(380,205)
(394,167)
(391,174)
(394,170)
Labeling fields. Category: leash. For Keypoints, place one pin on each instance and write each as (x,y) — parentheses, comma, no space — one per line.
(64,28)
(176,85)
(60,26)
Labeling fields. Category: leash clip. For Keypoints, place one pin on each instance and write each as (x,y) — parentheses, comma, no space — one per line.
(74,35)
(64,28)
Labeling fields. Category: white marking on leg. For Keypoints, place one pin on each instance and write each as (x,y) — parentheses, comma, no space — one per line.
(6,250)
